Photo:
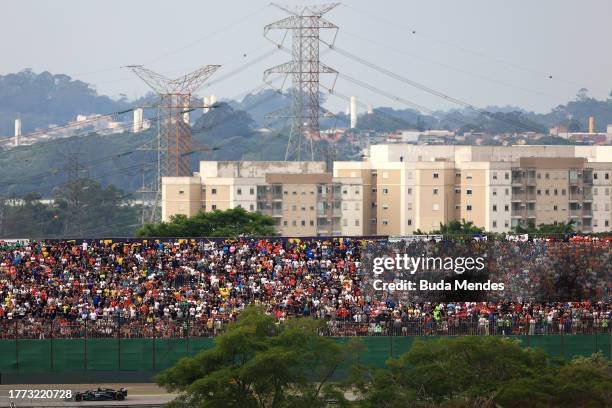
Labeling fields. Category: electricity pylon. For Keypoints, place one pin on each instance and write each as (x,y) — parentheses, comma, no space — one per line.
(305,23)
(173,143)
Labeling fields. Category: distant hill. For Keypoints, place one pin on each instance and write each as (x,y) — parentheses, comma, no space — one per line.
(233,128)
(44,99)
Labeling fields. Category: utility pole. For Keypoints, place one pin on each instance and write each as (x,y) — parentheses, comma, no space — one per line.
(74,187)
(304,23)
(173,143)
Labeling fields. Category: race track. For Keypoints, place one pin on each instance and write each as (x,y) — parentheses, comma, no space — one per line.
(139,395)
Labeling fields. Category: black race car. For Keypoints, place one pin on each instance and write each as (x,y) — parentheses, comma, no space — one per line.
(101,394)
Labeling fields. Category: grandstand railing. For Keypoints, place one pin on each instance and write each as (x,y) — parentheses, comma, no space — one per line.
(185,328)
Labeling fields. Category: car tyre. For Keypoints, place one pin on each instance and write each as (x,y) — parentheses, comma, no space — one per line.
(119,396)
(78,397)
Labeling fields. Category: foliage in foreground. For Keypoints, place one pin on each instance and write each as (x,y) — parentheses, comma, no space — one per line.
(229,223)
(257,363)
(483,372)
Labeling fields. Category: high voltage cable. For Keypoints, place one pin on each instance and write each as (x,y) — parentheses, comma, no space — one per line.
(541,74)
(428,89)
(451,67)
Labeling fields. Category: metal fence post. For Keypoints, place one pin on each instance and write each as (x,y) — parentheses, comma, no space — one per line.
(51,345)
(85,347)
(154,338)
(16,345)
(187,336)
(119,342)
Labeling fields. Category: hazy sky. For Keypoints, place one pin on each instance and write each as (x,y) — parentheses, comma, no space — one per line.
(482,51)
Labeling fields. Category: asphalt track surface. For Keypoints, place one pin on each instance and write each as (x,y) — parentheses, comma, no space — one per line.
(139,395)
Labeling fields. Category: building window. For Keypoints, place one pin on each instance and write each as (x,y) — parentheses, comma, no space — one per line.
(374,190)
(607,176)
(494,192)
(506,224)
(436,175)
(385,222)
(469,191)
(293,208)
(385,191)
(356,222)
(555,208)
(435,191)
(494,175)
(507,191)
(293,223)
(214,207)
(507,176)
(457,207)
(409,191)
(373,221)
(357,190)
(546,176)
(213,191)
(181,192)
(251,207)
(285,223)
(436,207)
(607,223)
(457,191)
(539,192)
(595,176)
(556,192)
(385,207)
(494,224)
(409,222)
(562,191)
(303,223)
(494,208)
(251,191)
(547,192)
(469,208)
(506,208)
(239,191)
(311,223)
(468,176)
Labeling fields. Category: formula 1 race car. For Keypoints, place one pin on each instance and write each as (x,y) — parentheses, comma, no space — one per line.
(101,394)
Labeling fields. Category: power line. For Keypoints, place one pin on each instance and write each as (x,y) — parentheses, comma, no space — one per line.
(431,91)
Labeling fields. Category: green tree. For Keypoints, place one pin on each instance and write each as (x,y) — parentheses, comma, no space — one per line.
(560,228)
(259,363)
(455,227)
(229,223)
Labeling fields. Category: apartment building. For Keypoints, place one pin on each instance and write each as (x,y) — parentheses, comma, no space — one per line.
(302,197)
(497,188)
(399,188)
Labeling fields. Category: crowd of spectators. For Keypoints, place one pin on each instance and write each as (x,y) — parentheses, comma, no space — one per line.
(193,287)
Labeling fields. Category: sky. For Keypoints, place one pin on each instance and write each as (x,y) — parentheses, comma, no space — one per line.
(532,54)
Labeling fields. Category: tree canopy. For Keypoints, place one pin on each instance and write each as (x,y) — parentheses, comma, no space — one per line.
(229,223)
(259,363)
(479,371)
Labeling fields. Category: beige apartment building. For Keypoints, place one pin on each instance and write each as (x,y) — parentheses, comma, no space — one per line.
(400,188)
(302,197)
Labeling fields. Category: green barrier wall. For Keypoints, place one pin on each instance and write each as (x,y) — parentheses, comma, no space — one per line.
(51,356)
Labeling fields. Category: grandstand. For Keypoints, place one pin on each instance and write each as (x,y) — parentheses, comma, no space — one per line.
(140,304)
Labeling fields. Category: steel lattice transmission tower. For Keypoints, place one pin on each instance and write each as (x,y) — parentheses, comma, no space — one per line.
(304,23)
(173,144)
